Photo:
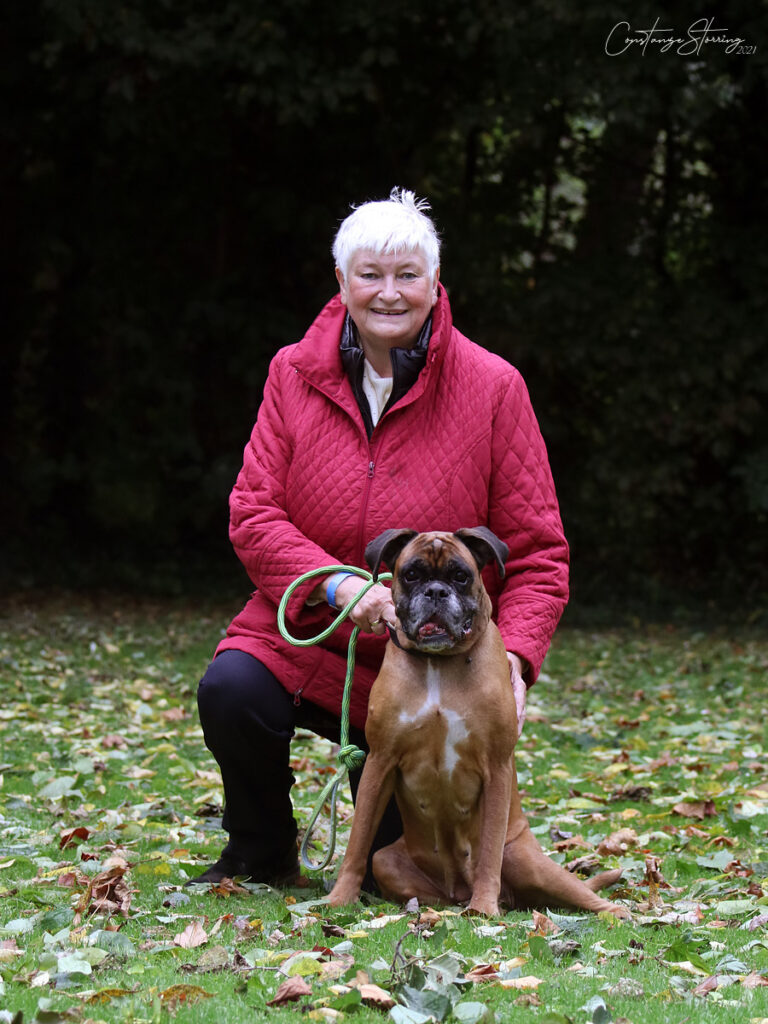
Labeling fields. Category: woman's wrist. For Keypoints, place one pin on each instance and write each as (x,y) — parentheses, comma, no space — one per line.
(332,585)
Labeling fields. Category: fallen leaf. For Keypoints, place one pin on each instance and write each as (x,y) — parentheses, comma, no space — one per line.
(291,990)
(181,995)
(69,837)
(754,980)
(193,935)
(106,995)
(653,879)
(216,958)
(528,982)
(113,742)
(228,887)
(482,972)
(701,809)
(706,986)
(543,925)
(375,996)
(617,843)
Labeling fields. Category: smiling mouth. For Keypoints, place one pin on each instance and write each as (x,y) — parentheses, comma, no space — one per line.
(389,312)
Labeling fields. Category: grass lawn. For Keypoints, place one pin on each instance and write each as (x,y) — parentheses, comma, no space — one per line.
(644,749)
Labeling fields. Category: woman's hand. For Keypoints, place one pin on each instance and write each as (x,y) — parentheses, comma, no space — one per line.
(372,612)
(519,688)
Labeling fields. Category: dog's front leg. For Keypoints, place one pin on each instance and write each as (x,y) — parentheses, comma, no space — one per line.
(486,884)
(373,794)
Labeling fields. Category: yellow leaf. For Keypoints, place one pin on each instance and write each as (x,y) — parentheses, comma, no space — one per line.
(303,967)
(177,995)
(629,812)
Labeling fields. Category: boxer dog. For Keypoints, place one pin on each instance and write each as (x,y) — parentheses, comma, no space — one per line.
(442,728)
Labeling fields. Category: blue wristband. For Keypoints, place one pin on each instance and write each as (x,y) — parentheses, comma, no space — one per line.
(333,586)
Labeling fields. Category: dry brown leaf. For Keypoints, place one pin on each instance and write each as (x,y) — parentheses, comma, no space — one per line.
(587,864)
(178,995)
(699,809)
(528,982)
(228,887)
(106,893)
(543,925)
(109,893)
(174,714)
(372,995)
(706,986)
(572,843)
(72,835)
(528,999)
(482,972)
(291,990)
(112,741)
(331,930)
(429,918)
(654,879)
(193,935)
(754,980)
(617,843)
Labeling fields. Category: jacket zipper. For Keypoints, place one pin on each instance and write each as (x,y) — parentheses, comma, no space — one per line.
(369,474)
(364,502)
(297,696)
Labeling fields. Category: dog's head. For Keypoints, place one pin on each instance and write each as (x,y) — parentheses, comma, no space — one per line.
(441,603)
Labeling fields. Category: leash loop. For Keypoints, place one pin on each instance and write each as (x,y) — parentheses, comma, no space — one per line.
(350,756)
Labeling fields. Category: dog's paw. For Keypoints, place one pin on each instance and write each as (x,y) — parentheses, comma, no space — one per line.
(342,894)
(617,910)
(483,908)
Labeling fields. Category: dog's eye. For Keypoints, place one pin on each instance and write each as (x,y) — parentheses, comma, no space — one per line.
(410,575)
(460,576)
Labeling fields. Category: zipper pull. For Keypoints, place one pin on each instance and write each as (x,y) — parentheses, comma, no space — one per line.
(370,470)
(297,697)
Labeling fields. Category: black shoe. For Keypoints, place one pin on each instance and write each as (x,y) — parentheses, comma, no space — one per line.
(227,866)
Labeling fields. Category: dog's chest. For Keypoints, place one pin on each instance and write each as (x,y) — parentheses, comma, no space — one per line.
(435,733)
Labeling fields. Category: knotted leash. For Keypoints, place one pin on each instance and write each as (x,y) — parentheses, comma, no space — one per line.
(349,756)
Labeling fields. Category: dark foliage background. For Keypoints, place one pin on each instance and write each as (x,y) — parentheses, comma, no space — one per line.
(173,172)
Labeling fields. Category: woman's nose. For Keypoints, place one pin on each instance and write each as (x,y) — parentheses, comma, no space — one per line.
(389,289)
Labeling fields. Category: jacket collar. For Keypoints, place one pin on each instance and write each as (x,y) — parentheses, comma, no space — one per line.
(318,356)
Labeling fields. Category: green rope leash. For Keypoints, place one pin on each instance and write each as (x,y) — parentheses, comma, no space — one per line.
(349,756)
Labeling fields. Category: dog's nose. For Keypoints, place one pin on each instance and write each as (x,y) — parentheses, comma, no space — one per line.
(436,591)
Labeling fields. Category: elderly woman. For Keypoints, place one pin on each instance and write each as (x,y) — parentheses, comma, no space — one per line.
(383,415)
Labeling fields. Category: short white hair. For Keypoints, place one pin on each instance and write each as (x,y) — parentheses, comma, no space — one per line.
(394,225)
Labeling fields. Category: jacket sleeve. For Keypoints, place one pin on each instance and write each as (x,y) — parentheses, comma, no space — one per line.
(273,551)
(523,511)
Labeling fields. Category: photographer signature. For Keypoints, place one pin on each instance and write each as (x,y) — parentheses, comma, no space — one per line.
(699,34)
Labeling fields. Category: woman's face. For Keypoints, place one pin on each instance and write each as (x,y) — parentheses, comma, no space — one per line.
(388,296)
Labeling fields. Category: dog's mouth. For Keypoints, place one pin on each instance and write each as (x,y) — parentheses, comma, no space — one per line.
(433,630)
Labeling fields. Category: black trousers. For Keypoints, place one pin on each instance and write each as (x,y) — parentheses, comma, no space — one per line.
(248,720)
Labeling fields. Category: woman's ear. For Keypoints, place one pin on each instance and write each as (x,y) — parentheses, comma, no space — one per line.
(342,285)
(435,285)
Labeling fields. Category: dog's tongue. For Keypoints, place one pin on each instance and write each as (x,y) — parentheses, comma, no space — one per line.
(430,629)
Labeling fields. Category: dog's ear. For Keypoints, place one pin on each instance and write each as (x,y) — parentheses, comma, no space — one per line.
(386,547)
(485,546)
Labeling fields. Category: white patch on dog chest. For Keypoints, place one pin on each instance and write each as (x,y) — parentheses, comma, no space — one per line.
(456,729)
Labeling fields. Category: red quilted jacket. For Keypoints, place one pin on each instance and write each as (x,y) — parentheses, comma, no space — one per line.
(461,448)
